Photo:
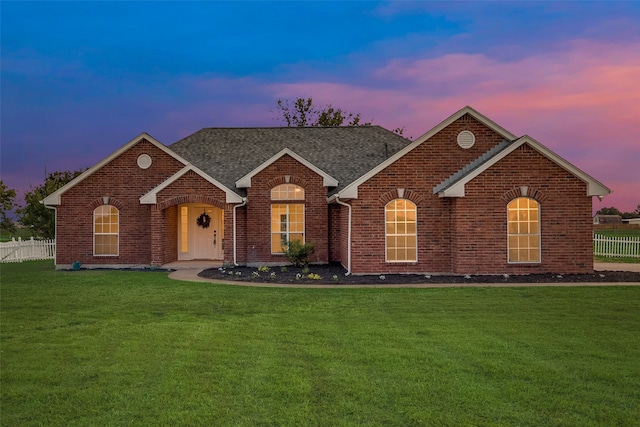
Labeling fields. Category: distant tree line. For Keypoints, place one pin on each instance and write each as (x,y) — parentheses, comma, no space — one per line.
(33,214)
(624,215)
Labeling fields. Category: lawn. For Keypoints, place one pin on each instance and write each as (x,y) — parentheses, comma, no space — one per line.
(135,348)
(22,233)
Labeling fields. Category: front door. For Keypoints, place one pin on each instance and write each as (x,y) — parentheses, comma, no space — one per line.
(200,232)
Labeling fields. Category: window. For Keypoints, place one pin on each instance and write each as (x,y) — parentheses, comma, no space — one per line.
(287,192)
(106,222)
(287,220)
(523,230)
(401,231)
(184,229)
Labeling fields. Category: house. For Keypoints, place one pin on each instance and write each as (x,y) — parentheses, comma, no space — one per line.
(468,196)
(607,219)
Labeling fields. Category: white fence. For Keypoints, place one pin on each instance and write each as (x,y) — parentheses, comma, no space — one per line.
(27,250)
(616,246)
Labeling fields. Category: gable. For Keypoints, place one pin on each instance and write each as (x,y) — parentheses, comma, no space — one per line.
(151,197)
(328,180)
(54,198)
(454,186)
(351,191)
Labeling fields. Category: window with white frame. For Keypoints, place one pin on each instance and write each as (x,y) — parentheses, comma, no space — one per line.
(523,230)
(106,230)
(401,231)
(287,219)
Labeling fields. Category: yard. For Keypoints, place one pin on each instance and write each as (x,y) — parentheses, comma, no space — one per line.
(135,348)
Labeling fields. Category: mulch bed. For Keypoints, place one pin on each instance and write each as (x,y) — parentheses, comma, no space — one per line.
(335,274)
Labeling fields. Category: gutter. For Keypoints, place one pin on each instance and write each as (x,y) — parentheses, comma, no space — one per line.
(235,256)
(340,202)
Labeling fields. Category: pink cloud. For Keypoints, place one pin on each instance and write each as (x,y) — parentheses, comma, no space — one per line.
(582,101)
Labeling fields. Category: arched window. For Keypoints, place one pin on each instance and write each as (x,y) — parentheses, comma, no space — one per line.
(287,219)
(401,231)
(523,230)
(106,230)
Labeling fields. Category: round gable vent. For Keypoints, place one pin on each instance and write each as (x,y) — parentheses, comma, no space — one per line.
(466,139)
(144,161)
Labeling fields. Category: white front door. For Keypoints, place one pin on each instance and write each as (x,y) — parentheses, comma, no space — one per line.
(200,232)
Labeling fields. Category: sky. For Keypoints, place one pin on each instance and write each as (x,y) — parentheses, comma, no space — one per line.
(81,79)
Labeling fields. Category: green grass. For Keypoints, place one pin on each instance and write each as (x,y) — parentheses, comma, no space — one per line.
(135,348)
(619,232)
(23,233)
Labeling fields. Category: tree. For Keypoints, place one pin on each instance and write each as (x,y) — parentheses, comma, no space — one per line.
(302,113)
(609,211)
(7,196)
(34,214)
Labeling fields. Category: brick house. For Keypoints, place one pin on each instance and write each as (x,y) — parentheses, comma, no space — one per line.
(468,196)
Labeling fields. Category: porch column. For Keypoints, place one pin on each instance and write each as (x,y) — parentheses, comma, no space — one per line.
(157,225)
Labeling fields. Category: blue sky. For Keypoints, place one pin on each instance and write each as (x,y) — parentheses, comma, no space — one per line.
(80,79)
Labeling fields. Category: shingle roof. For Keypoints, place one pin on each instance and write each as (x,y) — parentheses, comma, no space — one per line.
(345,153)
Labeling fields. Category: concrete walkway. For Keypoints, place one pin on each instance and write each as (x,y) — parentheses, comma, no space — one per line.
(189,272)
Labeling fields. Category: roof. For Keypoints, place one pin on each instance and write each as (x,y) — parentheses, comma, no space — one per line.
(454,185)
(351,190)
(53,199)
(343,154)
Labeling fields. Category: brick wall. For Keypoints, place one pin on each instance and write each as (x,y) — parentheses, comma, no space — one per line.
(124,182)
(565,213)
(258,211)
(468,235)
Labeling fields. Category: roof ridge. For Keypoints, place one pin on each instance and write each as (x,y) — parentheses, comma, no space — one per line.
(294,127)
(471,166)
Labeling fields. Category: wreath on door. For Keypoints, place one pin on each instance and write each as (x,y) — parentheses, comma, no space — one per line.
(204,220)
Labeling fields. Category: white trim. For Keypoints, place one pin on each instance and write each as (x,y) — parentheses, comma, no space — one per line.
(340,202)
(594,187)
(351,190)
(54,198)
(235,253)
(151,197)
(328,180)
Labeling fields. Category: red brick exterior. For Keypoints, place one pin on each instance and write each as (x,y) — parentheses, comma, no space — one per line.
(469,234)
(455,235)
(124,183)
(258,234)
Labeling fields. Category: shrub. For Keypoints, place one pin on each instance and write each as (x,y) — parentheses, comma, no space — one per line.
(298,253)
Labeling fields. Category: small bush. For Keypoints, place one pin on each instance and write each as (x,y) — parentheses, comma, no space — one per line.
(298,253)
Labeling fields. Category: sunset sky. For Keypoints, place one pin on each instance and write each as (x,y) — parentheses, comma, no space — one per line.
(81,79)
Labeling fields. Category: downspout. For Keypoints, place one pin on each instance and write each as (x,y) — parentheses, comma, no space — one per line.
(340,202)
(235,256)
